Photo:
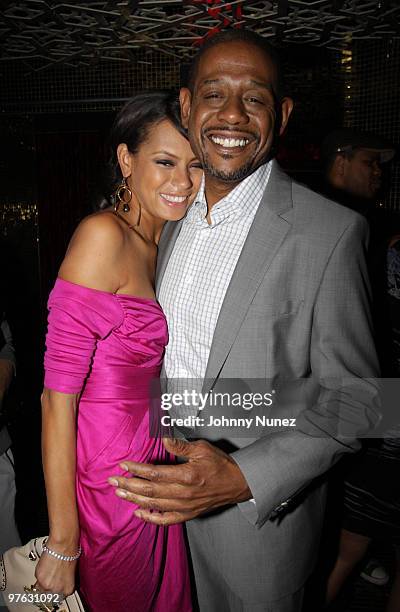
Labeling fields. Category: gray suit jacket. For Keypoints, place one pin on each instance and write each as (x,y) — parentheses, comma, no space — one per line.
(297,307)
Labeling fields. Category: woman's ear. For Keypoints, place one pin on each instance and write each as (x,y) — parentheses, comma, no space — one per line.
(185,99)
(125,160)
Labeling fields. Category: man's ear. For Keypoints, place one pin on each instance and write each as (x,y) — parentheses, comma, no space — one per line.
(286,109)
(125,159)
(339,165)
(185,99)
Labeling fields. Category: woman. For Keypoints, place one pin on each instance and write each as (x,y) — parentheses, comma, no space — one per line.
(104,347)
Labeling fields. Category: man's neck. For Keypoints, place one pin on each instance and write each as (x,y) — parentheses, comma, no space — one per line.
(215,190)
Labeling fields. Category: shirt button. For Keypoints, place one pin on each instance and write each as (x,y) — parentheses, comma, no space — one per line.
(179,326)
(189,280)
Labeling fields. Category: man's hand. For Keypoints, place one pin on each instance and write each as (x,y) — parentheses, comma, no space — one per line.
(210,478)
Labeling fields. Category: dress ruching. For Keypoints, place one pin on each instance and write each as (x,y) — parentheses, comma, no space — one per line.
(78,318)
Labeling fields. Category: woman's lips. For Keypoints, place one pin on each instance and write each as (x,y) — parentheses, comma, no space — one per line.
(174,200)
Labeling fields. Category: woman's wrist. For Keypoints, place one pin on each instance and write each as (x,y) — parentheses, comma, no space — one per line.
(61,556)
(65,545)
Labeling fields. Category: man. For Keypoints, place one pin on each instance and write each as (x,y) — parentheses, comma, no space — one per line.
(247,282)
(353,166)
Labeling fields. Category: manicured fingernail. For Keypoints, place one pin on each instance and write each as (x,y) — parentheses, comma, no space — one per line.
(121,493)
(113,481)
(124,466)
(138,514)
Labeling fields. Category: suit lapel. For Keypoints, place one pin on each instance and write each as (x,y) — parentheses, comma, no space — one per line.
(165,247)
(263,241)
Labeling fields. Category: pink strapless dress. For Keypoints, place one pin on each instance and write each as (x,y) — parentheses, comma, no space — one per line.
(110,347)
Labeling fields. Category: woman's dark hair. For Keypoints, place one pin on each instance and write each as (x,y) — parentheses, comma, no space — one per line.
(132,126)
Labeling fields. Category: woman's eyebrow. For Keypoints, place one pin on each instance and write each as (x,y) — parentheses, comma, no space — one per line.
(163,152)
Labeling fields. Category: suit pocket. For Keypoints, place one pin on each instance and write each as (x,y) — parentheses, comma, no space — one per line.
(284,308)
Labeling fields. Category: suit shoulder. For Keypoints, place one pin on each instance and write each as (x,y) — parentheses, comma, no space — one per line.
(320,212)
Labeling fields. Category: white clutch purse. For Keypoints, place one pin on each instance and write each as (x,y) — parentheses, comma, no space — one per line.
(17,577)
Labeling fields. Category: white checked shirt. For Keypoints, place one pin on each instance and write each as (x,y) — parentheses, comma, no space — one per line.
(200,269)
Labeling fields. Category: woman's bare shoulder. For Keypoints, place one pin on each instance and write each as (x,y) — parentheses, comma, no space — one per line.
(99,227)
(94,251)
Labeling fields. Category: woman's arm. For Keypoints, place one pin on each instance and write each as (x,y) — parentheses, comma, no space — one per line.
(59,465)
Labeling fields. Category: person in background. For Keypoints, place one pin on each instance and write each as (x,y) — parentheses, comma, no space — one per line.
(371,513)
(353,163)
(353,170)
(8,531)
(393,276)
(352,167)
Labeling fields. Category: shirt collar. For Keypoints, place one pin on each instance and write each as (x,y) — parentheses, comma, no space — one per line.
(243,200)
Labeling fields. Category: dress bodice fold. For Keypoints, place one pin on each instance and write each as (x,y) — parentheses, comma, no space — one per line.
(91,331)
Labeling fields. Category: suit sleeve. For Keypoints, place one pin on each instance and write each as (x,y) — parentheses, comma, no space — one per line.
(343,364)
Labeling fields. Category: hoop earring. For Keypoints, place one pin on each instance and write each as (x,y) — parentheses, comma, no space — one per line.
(120,196)
(139,215)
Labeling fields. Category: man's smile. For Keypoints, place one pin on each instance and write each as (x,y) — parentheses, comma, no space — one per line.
(229,143)
(232,141)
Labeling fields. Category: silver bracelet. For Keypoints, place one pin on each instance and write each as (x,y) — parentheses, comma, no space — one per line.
(59,556)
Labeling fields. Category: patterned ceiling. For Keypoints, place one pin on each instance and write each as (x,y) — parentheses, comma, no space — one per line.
(42,33)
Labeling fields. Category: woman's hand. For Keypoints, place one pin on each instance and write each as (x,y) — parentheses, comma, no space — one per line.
(55,576)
